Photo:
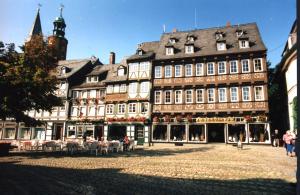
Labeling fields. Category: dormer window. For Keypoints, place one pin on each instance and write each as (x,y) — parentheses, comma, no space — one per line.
(221,46)
(121,71)
(91,79)
(191,38)
(189,49)
(219,35)
(140,52)
(169,51)
(239,33)
(172,40)
(244,44)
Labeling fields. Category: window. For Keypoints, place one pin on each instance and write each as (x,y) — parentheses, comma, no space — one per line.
(91,79)
(24,133)
(222,68)
(110,88)
(178,71)
(233,67)
(169,51)
(71,131)
(178,97)
(172,41)
(246,93)
(132,88)
(189,96)
(219,35)
(257,65)
(222,95)
(92,111)
(84,94)
(168,71)
(221,46)
(116,88)
(144,87)
(157,72)
(101,92)
(132,108)
(168,98)
(157,97)
(199,69)
(245,66)
(239,33)
(244,44)
(93,94)
(189,49)
(144,66)
(75,94)
(188,70)
(133,67)
(100,110)
(39,133)
(121,108)
(121,71)
(211,95)
(123,88)
(9,133)
(109,109)
(259,93)
(74,111)
(199,96)
(234,94)
(210,69)
(144,107)
(82,111)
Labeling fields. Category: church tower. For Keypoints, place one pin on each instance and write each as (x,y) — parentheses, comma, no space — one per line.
(36,33)
(57,39)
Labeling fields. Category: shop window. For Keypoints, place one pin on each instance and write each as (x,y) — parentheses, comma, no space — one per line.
(160,132)
(178,133)
(24,133)
(116,132)
(39,133)
(71,132)
(196,133)
(236,132)
(258,133)
(79,131)
(90,131)
(9,133)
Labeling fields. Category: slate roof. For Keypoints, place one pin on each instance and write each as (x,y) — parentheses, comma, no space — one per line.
(206,41)
(72,67)
(36,27)
(112,73)
(149,49)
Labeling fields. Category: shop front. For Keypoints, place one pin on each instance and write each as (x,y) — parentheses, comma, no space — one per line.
(253,130)
(92,130)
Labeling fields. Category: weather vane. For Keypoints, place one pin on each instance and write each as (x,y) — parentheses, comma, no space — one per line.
(39,6)
(61,9)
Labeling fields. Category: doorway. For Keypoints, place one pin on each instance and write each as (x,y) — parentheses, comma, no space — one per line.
(58,130)
(139,134)
(216,132)
(98,132)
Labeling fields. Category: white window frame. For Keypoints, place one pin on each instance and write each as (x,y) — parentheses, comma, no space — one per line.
(262,95)
(121,108)
(221,46)
(109,89)
(242,62)
(92,111)
(243,97)
(157,72)
(132,108)
(213,97)
(109,109)
(213,65)
(76,94)
(245,45)
(123,88)
(186,96)
(225,94)
(169,51)
(202,94)
(168,71)
(199,69)
(262,68)
(133,88)
(179,99)
(189,49)
(145,103)
(237,94)
(144,87)
(178,67)
(186,68)
(237,67)
(156,101)
(165,95)
(224,63)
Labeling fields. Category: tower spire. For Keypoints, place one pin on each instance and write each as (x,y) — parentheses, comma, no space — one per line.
(61,9)
(36,27)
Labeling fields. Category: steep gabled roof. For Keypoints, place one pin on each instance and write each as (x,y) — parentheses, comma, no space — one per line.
(36,27)
(148,48)
(72,66)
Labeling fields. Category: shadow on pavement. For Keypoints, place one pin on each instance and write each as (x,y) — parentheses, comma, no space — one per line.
(140,152)
(25,179)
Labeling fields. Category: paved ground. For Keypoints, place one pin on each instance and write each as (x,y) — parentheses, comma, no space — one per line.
(161,169)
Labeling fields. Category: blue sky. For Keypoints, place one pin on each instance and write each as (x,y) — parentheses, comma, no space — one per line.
(96,27)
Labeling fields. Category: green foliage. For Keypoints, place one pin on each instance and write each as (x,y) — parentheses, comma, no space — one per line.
(27,80)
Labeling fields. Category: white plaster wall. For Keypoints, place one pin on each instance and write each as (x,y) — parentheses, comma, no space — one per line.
(291,76)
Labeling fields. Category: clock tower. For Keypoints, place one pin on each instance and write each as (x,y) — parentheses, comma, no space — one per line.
(57,40)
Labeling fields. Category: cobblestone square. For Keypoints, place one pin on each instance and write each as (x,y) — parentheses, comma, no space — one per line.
(159,169)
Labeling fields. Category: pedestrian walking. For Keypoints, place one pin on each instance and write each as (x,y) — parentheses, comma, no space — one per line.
(275,136)
(287,138)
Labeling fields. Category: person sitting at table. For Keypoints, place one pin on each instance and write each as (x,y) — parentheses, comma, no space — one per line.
(126,143)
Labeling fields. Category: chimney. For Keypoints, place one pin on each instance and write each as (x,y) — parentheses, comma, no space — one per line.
(112,58)
(174,30)
(228,24)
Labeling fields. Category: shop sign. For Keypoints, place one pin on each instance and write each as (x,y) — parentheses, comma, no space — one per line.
(215,119)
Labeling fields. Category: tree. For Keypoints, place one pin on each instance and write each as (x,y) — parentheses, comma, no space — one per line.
(27,80)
